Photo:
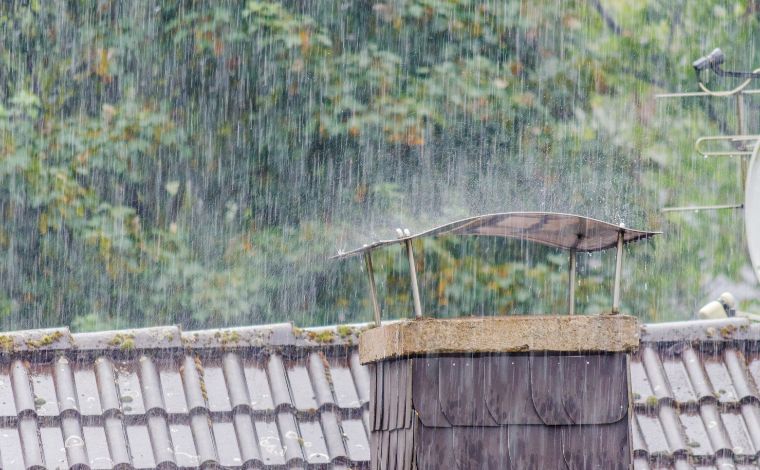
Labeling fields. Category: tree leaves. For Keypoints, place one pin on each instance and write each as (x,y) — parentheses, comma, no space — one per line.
(196,162)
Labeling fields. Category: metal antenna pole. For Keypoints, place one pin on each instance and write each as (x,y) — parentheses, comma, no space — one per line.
(413,275)
(571,285)
(742,128)
(372,287)
(618,272)
(702,208)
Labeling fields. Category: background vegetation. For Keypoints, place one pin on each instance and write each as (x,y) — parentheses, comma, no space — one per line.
(195,162)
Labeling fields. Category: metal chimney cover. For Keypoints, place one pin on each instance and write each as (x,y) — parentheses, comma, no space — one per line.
(564,231)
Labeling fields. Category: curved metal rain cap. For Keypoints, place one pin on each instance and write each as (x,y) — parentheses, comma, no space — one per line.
(752,210)
(564,231)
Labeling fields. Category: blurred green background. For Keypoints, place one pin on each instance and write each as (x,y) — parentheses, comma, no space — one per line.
(196,162)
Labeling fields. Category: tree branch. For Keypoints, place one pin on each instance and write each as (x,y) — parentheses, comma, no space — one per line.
(608,20)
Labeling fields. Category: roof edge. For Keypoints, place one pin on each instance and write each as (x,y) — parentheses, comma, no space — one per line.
(725,329)
(173,337)
(288,335)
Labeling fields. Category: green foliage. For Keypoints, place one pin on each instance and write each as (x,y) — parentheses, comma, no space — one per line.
(196,162)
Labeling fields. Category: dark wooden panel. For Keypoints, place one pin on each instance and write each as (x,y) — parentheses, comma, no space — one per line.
(405,448)
(409,416)
(535,447)
(434,448)
(410,444)
(481,448)
(507,388)
(393,391)
(425,392)
(539,401)
(462,390)
(386,451)
(374,415)
(379,388)
(603,446)
(403,370)
(400,448)
(546,382)
(375,443)
(390,459)
(596,390)
(387,397)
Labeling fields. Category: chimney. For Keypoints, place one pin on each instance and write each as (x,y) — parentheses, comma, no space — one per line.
(517,392)
(514,392)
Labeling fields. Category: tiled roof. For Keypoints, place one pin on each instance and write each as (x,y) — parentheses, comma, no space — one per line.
(277,396)
(246,397)
(695,396)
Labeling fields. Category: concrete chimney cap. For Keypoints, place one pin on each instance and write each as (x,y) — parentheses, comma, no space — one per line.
(508,334)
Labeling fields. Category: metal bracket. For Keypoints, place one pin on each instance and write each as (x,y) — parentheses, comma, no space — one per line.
(372,287)
(736,139)
(571,284)
(702,208)
(618,274)
(413,276)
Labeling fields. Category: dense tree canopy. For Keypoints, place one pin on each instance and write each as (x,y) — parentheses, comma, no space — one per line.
(195,162)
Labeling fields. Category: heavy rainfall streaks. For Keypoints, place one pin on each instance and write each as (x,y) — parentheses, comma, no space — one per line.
(198,162)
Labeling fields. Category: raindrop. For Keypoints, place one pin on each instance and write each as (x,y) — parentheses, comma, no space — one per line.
(73,441)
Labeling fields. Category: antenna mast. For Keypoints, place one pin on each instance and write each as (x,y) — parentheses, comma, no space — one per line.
(746,147)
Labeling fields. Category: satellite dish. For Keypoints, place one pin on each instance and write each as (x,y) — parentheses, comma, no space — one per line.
(752,210)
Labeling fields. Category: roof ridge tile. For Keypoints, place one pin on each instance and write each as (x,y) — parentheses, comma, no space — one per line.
(720,330)
(174,337)
(156,337)
(44,339)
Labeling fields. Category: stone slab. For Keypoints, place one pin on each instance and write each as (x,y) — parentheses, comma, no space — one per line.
(558,333)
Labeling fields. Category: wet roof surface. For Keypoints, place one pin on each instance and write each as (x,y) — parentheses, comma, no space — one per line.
(695,396)
(275,395)
(564,231)
(266,396)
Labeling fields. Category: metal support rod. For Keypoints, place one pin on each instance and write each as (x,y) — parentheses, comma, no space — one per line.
(740,124)
(734,74)
(742,129)
(413,276)
(618,273)
(702,208)
(738,140)
(372,287)
(571,285)
(690,94)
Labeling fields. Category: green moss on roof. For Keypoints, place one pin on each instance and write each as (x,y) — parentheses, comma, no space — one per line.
(46,340)
(6,343)
(227,337)
(326,336)
(344,331)
(123,341)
